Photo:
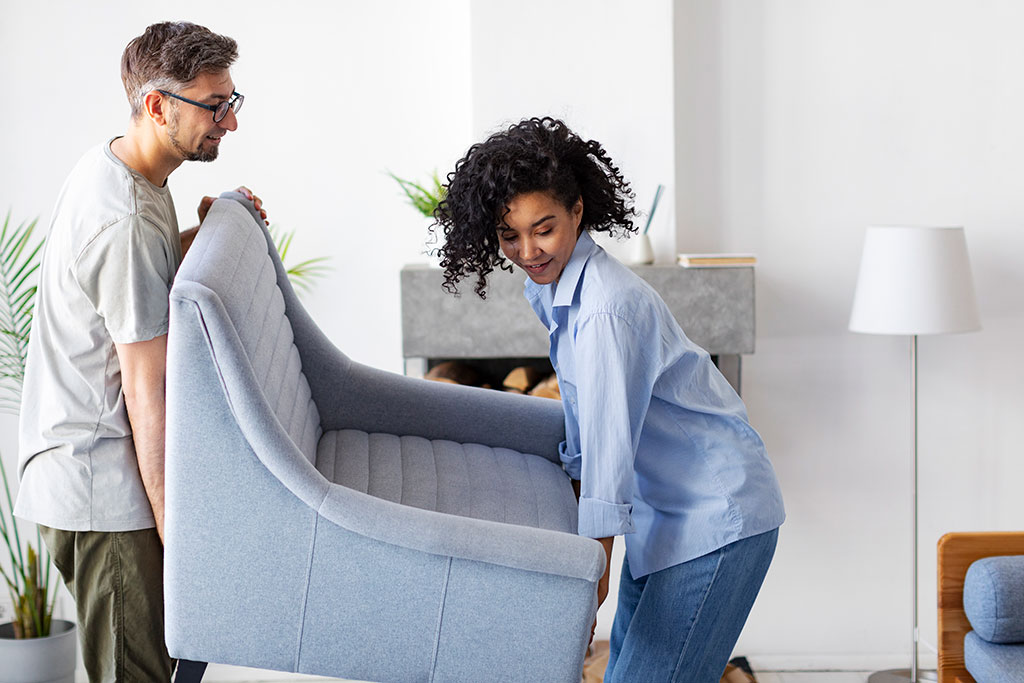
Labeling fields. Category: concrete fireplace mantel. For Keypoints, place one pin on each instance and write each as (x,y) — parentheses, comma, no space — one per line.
(714,306)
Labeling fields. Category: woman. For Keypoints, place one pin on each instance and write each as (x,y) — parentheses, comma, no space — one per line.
(657,438)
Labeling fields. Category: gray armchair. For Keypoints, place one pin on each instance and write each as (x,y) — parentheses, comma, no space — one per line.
(328,518)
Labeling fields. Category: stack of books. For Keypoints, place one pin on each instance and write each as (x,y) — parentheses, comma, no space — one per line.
(715,260)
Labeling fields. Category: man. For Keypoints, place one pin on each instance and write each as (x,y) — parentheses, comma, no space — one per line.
(92,418)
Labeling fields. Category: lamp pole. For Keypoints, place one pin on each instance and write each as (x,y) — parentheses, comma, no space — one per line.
(913,675)
(913,380)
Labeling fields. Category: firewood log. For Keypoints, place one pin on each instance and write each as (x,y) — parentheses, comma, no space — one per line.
(454,372)
(547,388)
(522,379)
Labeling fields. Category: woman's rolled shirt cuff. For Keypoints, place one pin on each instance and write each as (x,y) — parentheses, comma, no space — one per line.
(572,462)
(599,519)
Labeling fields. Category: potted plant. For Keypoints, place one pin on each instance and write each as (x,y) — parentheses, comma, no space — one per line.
(33,646)
(424,198)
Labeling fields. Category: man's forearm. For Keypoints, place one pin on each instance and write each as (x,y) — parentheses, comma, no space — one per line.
(147,419)
(143,367)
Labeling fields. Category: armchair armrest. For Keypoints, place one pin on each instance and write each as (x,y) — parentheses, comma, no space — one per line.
(508,545)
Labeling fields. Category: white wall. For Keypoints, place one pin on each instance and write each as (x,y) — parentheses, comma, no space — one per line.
(779,127)
(800,123)
(604,67)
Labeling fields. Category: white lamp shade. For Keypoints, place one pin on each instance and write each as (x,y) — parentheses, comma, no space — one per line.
(914,280)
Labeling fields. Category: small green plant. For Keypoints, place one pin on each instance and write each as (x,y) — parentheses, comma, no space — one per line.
(29,579)
(301,274)
(423,199)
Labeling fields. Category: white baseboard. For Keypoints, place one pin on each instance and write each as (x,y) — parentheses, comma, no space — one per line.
(838,662)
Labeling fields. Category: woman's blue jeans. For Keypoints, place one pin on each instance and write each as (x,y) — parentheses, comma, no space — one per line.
(680,624)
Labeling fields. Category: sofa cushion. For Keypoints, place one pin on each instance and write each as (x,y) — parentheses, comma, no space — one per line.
(468,480)
(992,663)
(994,598)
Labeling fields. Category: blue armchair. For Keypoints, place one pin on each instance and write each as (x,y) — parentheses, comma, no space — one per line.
(328,518)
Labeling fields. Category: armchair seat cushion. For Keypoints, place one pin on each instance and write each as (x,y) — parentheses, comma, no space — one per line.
(992,663)
(467,480)
(994,598)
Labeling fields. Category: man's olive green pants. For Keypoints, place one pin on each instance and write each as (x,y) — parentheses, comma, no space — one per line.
(116,579)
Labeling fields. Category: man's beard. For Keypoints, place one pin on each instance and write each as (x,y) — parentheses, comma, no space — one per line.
(198,154)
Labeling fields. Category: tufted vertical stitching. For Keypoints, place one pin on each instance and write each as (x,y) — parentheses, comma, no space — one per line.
(274,368)
(353,453)
(254,325)
(281,379)
(472,490)
(437,476)
(290,393)
(468,480)
(440,495)
(386,456)
(263,344)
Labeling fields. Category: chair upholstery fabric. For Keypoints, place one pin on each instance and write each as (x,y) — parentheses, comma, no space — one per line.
(328,518)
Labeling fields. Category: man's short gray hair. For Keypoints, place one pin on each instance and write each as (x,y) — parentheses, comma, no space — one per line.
(167,56)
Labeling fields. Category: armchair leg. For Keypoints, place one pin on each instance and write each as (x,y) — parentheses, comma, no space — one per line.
(189,672)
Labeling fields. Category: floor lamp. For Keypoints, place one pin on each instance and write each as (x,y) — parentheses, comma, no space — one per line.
(914,281)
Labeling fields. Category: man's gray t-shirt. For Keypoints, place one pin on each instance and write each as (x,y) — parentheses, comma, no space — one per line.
(107,268)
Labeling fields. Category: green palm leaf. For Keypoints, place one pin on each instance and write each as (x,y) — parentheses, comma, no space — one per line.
(28,583)
(301,274)
(19,262)
(423,199)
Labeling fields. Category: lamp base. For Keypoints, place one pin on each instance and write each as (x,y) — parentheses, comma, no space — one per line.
(902,676)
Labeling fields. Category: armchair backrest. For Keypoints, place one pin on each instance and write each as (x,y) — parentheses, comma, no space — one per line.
(247,283)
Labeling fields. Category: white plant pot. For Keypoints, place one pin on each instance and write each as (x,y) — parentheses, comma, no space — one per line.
(640,251)
(39,660)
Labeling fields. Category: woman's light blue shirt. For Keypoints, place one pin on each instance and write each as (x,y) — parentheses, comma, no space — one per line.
(657,436)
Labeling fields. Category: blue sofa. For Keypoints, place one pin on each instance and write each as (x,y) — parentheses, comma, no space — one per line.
(981,607)
(328,518)
(994,604)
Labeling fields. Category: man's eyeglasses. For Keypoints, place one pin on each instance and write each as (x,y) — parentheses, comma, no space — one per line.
(219,110)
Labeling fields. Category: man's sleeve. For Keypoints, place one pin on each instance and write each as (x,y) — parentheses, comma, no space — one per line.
(615,380)
(126,274)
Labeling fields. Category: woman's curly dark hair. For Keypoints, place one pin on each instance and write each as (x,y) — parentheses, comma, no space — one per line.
(535,155)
